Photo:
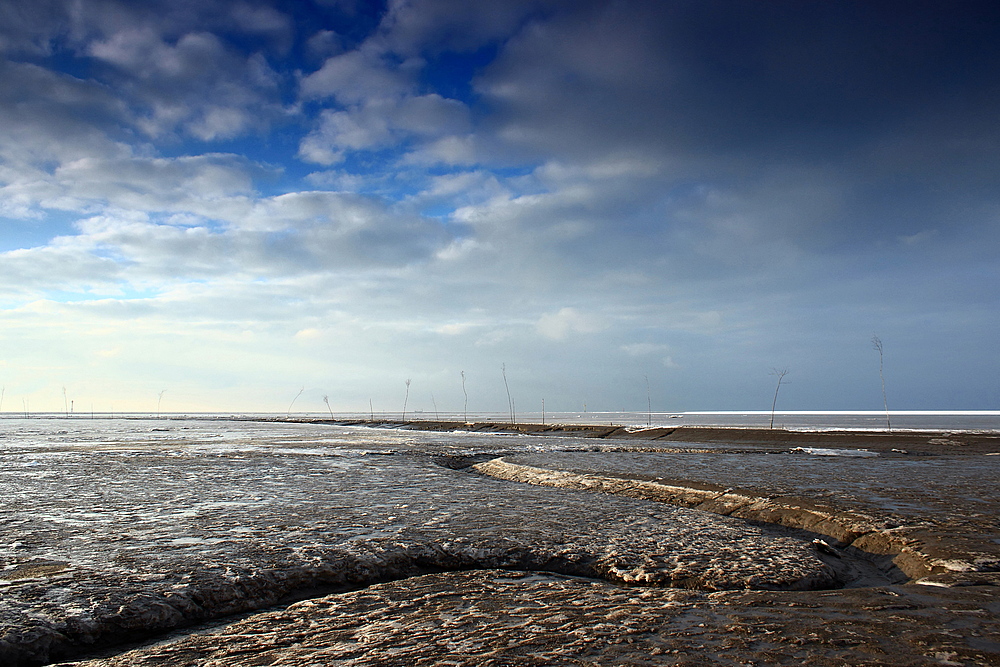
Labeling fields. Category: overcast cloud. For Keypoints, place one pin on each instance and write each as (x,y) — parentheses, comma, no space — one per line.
(232,201)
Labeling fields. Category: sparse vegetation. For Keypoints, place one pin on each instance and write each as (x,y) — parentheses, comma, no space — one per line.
(406,397)
(510,401)
(877,346)
(288,413)
(465,409)
(781,376)
(649,404)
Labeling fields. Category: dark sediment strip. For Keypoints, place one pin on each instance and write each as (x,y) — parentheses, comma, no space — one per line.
(915,442)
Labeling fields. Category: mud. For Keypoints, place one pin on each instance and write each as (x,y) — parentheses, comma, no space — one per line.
(918,550)
(498,619)
(399,542)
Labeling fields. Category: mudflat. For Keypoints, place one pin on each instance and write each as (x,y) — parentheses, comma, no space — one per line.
(407,547)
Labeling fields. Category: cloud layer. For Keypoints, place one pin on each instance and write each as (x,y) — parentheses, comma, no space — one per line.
(234,200)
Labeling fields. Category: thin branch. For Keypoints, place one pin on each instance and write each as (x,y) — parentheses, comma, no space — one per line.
(781,376)
(877,346)
(288,413)
(649,404)
(465,410)
(510,402)
(406,398)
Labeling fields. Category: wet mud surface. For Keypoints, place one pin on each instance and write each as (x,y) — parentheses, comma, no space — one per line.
(507,618)
(107,538)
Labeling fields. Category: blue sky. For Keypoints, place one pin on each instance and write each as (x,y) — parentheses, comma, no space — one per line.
(233,201)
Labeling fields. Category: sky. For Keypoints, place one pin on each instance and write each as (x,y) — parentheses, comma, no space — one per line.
(213,205)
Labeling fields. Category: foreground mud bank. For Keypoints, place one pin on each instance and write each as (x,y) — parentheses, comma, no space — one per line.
(510,619)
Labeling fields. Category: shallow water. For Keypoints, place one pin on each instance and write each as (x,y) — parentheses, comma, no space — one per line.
(944,490)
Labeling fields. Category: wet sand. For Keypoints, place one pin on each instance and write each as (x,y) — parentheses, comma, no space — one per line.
(602,560)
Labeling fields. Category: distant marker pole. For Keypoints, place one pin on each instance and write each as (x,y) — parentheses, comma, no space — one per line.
(649,404)
(406,397)
(781,374)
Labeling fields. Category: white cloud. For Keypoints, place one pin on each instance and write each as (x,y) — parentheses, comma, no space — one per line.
(29,272)
(382,122)
(431,115)
(208,186)
(450,150)
(357,77)
(308,335)
(559,325)
(150,184)
(643,349)
(339,131)
(197,84)
(48,117)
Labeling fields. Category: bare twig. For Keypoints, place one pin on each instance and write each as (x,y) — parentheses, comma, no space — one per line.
(288,413)
(510,401)
(877,346)
(781,376)
(406,398)
(649,404)
(465,410)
